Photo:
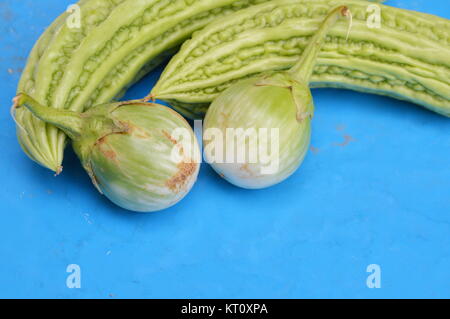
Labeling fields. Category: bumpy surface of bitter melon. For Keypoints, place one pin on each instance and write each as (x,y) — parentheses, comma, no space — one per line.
(118,40)
(45,67)
(407,58)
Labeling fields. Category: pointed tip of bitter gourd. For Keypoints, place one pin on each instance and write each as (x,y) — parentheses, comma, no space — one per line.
(52,163)
(35,145)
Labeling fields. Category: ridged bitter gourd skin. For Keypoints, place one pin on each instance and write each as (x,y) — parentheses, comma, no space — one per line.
(117,42)
(407,58)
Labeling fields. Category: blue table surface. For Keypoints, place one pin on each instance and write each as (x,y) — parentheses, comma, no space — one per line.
(382,198)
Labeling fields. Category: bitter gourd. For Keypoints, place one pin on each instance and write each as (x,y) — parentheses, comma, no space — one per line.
(116,42)
(408,57)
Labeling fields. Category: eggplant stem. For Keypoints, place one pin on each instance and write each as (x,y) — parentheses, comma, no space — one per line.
(303,69)
(69,122)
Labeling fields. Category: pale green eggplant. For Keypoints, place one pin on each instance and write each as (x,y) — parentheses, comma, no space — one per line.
(257,132)
(144,157)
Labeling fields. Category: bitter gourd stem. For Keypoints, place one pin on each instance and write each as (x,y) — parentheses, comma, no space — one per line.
(303,69)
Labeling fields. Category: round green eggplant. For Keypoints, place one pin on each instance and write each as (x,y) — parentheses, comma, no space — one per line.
(144,157)
(259,121)
(258,132)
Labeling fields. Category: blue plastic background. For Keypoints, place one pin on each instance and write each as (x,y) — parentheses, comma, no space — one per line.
(382,199)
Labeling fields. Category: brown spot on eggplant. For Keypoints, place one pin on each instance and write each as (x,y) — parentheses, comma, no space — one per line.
(101,140)
(108,153)
(169,137)
(179,180)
